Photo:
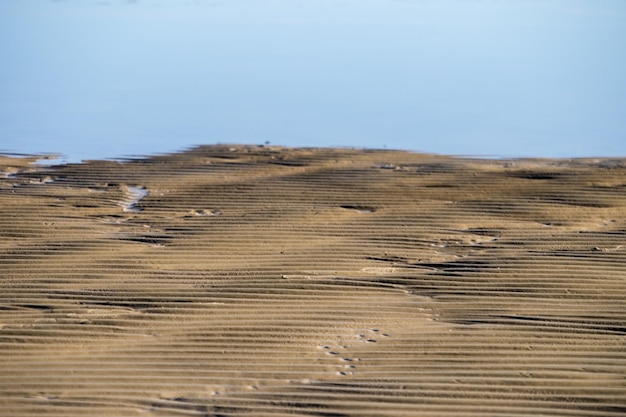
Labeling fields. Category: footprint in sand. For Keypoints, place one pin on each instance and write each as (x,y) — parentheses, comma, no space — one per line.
(370,335)
(345,364)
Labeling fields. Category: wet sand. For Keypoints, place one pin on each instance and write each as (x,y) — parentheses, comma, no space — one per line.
(229,281)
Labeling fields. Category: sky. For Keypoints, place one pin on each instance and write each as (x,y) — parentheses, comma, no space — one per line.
(93,79)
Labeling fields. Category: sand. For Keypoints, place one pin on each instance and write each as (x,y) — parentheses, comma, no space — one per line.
(246,280)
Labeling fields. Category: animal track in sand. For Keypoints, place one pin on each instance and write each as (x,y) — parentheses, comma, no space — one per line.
(347,364)
(370,336)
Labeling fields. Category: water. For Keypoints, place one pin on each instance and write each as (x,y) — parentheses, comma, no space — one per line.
(103,79)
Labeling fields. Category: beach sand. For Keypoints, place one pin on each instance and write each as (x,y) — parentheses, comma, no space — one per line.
(266,281)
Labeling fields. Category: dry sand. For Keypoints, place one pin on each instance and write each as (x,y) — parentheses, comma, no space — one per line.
(229,281)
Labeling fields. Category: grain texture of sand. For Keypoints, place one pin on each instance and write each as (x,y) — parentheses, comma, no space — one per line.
(244,280)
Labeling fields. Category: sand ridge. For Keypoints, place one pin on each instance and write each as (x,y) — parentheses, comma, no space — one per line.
(248,280)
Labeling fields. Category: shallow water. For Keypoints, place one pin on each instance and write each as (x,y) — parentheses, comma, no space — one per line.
(133,197)
(102,79)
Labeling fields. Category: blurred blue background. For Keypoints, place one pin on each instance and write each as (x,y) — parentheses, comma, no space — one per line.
(104,79)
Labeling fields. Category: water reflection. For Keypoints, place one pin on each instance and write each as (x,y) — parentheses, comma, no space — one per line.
(96,79)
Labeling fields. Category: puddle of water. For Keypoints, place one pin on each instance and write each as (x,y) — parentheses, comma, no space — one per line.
(51,160)
(205,213)
(135,195)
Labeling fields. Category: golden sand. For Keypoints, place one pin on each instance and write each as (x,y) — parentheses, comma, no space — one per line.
(261,281)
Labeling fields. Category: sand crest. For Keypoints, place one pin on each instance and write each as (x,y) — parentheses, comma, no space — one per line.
(244,280)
